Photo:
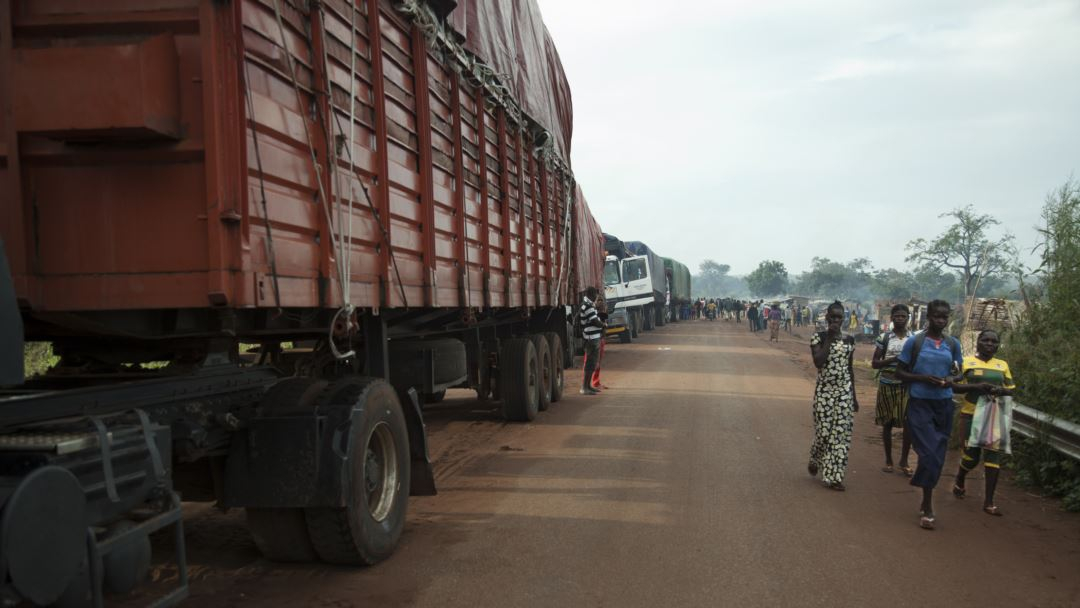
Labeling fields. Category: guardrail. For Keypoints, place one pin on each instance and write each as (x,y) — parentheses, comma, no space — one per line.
(1062,435)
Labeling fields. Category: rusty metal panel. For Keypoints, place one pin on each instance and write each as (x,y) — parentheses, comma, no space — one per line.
(430,190)
(98,91)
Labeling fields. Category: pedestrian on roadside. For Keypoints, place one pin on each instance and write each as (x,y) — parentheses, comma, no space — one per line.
(751,316)
(601,311)
(986,382)
(892,394)
(806,315)
(738,311)
(592,329)
(775,317)
(835,402)
(926,363)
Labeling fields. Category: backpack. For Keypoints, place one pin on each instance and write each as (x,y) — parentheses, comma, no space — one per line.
(917,344)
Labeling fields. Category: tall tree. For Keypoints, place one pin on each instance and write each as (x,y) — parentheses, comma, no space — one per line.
(770,278)
(966,248)
(711,278)
(830,279)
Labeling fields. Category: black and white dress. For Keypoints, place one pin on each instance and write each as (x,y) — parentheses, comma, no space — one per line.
(834,410)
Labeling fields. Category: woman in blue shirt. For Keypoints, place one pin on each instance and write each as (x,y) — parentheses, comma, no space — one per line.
(930,406)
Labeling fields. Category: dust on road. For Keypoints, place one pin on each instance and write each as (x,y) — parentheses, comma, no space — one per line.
(683,485)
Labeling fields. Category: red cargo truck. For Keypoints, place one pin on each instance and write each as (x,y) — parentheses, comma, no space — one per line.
(259,234)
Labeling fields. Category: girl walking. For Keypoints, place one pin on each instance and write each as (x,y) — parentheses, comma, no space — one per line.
(835,402)
(926,364)
(985,379)
(892,395)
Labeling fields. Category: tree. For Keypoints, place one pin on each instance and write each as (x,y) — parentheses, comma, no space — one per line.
(830,279)
(713,280)
(966,248)
(770,278)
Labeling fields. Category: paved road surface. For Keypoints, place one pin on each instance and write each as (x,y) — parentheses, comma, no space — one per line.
(683,485)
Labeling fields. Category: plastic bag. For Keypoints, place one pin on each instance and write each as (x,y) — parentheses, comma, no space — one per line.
(991,424)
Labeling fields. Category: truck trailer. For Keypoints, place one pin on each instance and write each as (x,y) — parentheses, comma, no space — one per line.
(259,235)
(678,282)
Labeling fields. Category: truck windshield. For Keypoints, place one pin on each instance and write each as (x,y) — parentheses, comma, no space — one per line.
(611,272)
(635,269)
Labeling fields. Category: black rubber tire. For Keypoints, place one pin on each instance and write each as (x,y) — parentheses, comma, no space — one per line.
(351,535)
(625,337)
(661,316)
(650,318)
(407,361)
(518,380)
(545,369)
(281,534)
(558,376)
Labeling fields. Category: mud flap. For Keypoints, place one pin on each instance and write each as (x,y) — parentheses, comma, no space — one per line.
(423,476)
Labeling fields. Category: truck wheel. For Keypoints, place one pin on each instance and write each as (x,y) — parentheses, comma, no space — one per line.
(650,319)
(624,336)
(558,377)
(366,530)
(519,381)
(281,534)
(544,368)
(661,317)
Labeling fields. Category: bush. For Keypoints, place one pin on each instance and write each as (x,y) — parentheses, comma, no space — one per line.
(38,357)
(1040,466)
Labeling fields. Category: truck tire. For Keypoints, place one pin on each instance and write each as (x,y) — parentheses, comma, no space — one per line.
(407,361)
(281,534)
(544,368)
(625,337)
(367,529)
(661,316)
(519,380)
(558,376)
(650,318)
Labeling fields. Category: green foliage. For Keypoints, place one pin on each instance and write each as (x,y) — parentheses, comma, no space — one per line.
(770,278)
(1040,466)
(967,248)
(1042,351)
(834,280)
(38,357)
(714,281)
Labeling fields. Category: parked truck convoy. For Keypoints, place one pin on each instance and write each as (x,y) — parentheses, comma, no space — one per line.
(639,288)
(259,234)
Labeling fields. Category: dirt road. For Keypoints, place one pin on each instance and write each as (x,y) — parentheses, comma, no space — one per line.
(685,484)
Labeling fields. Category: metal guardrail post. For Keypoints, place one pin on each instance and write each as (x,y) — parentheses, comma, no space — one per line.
(1062,435)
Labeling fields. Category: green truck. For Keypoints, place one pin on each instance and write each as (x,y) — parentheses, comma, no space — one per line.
(678,281)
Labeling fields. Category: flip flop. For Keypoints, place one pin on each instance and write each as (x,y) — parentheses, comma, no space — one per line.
(887,468)
(836,485)
(958,492)
(811,468)
(926,522)
(908,471)
(993,510)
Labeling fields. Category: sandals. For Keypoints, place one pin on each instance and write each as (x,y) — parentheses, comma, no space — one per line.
(992,510)
(906,470)
(887,468)
(836,485)
(958,491)
(811,467)
(926,521)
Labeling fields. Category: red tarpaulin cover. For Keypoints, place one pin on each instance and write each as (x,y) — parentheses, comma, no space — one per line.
(510,36)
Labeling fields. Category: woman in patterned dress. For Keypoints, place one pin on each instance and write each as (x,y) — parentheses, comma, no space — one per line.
(835,402)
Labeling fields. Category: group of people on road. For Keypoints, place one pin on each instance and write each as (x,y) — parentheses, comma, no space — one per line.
(918,374)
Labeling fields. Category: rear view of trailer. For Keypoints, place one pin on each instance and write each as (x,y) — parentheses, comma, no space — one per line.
(374,197)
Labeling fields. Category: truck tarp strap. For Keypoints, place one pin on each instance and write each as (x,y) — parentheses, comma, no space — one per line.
(106,458)
(151,445)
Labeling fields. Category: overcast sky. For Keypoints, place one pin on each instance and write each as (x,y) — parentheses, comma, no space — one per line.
(743,131)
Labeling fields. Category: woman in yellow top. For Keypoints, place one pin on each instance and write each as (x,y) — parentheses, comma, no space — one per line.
(985,375)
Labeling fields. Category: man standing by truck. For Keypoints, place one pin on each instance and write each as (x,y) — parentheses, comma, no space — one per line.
(592,329)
